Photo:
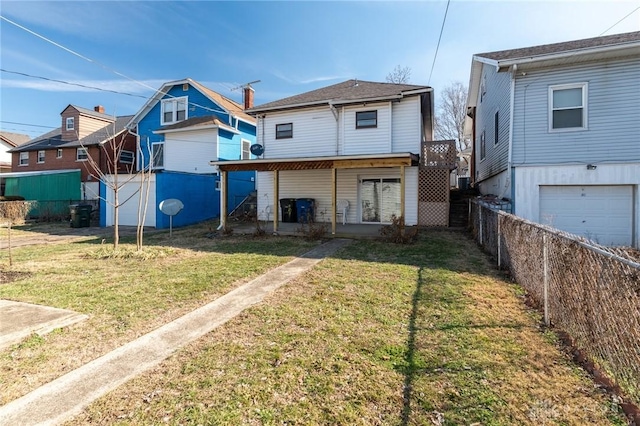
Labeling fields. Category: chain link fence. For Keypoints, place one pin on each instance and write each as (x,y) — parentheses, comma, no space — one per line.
(588,291)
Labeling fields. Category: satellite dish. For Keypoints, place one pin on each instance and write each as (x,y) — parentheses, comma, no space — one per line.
(171,206)
(256,149)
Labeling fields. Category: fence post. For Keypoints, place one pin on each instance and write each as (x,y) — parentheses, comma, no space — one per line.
(499,260)
(480,225)
(545,269)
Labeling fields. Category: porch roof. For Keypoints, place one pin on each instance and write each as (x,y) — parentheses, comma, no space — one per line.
(311,163)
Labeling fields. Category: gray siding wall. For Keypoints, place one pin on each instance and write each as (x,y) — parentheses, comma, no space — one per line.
(613,116)
(496,98)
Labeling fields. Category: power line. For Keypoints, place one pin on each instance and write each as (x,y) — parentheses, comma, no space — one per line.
(27,124)
(625,17)
(439,38)
(73,84)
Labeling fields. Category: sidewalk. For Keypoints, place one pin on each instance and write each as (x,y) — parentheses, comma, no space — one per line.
(66,396)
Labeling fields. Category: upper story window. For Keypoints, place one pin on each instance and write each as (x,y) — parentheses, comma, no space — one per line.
(126,157)
(483,146)
(157,154)
(174,110)
(70,123)
(366,119)
(81,154)
(284,131)
(246,150)
(59,153)
(24,158)
(40,156)
(568,107)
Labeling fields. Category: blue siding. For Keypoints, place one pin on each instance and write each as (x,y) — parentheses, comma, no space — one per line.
(197,193)
(613,120)
(103,204)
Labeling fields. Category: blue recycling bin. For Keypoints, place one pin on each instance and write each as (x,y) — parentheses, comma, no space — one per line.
(305,209)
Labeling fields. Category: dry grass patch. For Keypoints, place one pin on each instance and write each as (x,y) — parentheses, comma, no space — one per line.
(125,296)
(380,334)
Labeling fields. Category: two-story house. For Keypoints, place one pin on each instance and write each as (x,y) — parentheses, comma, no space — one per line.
(353,148)
(8,141)
(85,141)
(179,131)
(556,131)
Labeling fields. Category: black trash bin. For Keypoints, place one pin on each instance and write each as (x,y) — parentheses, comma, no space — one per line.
(305,209)
(80,215)
(288,206)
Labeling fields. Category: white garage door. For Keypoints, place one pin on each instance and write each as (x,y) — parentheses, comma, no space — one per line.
(128,212)
(601,213)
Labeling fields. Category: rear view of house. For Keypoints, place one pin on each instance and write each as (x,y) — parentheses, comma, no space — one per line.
(556,133)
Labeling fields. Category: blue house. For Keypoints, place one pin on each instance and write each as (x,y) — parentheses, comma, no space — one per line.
(180,130)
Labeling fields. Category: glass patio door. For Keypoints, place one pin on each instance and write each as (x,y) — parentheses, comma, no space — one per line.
(379,199)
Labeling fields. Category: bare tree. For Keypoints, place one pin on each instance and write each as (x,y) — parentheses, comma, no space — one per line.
(451,113)
(399,75)
(13,212)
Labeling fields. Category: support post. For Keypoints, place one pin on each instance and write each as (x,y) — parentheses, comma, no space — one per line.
(276,200)
(545,268)
(402,197)
(499,243)
(223,199)
(334,204)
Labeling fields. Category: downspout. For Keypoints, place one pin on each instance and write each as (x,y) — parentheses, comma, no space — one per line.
(512,102)
(334,111)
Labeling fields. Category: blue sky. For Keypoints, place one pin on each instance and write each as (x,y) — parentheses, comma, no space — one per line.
(134,47)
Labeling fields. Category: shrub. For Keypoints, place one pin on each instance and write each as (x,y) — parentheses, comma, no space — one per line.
(397,232)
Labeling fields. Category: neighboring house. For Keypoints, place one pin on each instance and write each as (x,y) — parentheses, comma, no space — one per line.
(85,137)
(556,131)
(180,130)
(8,141)
(355,144)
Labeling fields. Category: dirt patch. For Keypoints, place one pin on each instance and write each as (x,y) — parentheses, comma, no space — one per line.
(7,277)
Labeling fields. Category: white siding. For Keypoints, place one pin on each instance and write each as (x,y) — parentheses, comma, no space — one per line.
(613,118)
(191,151)
(128,212)
(367,141)
(316,184)
(407,125)
(5,156)
(314,134)
(528,180)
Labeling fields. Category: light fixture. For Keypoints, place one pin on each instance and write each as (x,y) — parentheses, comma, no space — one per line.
(591,167)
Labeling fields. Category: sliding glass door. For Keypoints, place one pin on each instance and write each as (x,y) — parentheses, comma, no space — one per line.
(379,199)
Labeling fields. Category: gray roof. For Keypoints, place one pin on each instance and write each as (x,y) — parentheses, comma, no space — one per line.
(91,113)
(569,46)
(14,139)
(53,139)
(345,92)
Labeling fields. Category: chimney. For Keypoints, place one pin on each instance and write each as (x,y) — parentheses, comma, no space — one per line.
(99,108)
(248,97)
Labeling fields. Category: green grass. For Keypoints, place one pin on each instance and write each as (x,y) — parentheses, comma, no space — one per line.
(378,334)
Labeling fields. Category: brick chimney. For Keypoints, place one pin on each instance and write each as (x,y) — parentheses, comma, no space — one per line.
(99,108)
(248,97)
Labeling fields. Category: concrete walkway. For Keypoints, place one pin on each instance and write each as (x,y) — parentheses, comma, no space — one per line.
(66,396)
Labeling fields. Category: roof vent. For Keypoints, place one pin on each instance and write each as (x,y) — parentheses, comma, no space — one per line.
(355,83)
(185,87)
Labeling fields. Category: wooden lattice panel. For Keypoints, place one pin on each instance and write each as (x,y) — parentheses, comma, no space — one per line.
(433,197)
(438,155)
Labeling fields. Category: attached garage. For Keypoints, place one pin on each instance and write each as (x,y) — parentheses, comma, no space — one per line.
(601,213)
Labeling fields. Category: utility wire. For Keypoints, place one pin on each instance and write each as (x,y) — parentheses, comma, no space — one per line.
(625,17)
(27,124)
(438,45)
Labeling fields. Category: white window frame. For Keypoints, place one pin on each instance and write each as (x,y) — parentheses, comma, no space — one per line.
(59,153)
(174,102)
(79,157)
(245,154)
(585,88)
(153,155)
(41,161)
(70,123)
(24,159)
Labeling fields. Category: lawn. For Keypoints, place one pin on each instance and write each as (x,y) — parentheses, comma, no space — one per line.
(381,334)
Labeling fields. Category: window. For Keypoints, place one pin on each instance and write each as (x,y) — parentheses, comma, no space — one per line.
(284,131)
(496,128)
(568,107)
(174,110)
(24,158)
(59,154)
(157,151)
(69,123)
(366,119)
(40,156)
(126,157)
(246,153)
(81,154)
(483,148)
